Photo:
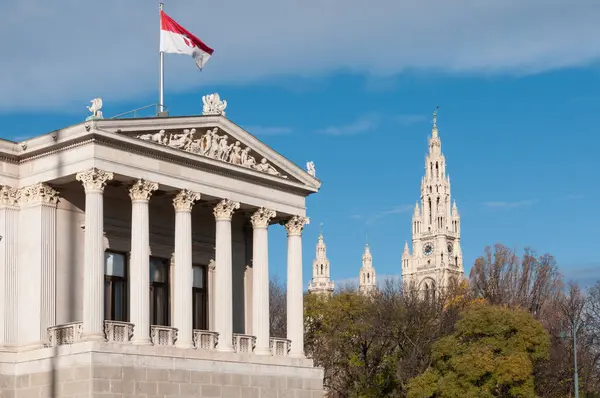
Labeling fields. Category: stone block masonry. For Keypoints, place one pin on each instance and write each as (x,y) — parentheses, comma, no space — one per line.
(93,369)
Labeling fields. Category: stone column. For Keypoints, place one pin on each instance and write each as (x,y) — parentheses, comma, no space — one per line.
(37,263)
(223,212)
(211,295)
(94,181)
(139,290)
(183,276)
(9,219)
(260,279)
(295,304)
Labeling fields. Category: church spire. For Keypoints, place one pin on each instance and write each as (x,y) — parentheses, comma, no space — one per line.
(321,282)
(368,281)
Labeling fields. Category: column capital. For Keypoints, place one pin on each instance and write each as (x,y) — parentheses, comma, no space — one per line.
(39,193)
(262,217)
(185,199)
(142,190)
(94,180)
(212,265)
(296,224)
(224,209)
(9,196)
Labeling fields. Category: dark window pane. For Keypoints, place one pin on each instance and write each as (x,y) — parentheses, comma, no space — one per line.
(158,270)
(114,264)
(198,277)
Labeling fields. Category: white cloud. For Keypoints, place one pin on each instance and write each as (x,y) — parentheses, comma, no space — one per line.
(60,54)
(401,209)
(510,205)
(361,125)
(266,130)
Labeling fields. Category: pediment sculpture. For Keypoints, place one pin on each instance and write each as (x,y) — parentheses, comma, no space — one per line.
(212,145)
(95,109)
(213,105)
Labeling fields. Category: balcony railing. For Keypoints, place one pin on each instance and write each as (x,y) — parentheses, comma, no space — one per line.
(65,334)
(243,342)
(205,340)
(118,332)
(163,335)
(280,346)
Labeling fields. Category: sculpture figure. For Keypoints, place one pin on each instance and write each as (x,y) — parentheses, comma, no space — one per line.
(95,108)
(310,167)
(213,105)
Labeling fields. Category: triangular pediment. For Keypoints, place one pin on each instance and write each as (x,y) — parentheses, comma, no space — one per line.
(215,138)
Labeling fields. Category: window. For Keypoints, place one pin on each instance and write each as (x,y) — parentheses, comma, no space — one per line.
(199,298)
(159,291)
(115,287)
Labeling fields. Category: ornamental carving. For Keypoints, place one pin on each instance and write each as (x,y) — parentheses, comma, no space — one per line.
(94,180)
(185,199)
(142,189)
(296,224)
(212,145)
(212,265)
(39,193)
(212,105)
(9,197)
(262,217)
(310,168)
(225,208)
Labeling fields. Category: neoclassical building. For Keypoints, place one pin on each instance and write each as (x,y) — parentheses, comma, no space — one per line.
(134,261)
(321,282)
(436,259)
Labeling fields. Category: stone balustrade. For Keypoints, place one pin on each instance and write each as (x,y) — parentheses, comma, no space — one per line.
(163,335)
(205,340)
(118,332)
(280,346)
(65,334)
(243,342)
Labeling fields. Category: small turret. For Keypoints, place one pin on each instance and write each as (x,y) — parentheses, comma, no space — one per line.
(321,282)
(368,279)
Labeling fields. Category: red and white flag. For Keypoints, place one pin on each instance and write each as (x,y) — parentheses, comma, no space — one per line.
(175,39)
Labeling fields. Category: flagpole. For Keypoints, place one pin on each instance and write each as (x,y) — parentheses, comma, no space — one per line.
(161,80)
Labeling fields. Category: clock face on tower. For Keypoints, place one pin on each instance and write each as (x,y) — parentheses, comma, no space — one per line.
(428,249)
(450,248)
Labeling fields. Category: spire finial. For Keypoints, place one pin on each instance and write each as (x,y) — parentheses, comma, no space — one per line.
(321,229)
(367,238)
(435,116)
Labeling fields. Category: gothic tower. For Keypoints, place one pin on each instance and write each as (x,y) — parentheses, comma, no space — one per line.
(321,282)
(368,282)
(436,260)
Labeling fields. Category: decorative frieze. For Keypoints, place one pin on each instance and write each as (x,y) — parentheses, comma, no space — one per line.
(94,180)
(213,105)
(142,190)
(262,217)
(9,197)
(185,199)
(39,193)
(212,145)
(225,208)
(296,224)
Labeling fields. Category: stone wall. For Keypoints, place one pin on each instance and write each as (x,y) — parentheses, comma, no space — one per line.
(111,371)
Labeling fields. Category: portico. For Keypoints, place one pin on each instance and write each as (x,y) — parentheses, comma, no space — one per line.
(149,232)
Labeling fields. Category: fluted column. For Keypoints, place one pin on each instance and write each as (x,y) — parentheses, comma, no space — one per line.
(183,276)
(223,212)
(9,218)
(260,279)
(139,291)
(295,304)
(94,181)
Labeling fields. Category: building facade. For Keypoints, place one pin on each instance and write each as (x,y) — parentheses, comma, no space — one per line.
(436,259)
(134,261)
(321,282)
(367,276)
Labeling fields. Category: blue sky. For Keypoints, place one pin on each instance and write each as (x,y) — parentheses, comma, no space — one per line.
(518,123)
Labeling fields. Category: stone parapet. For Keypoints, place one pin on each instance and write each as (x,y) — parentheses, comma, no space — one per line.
(97,369)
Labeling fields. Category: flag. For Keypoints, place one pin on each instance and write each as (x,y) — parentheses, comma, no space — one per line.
(175,39)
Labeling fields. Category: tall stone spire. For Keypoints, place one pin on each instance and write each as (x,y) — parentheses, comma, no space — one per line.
(321,282)
(368,278)
(436,258)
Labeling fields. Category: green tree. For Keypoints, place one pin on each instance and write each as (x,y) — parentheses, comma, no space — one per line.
(491,354)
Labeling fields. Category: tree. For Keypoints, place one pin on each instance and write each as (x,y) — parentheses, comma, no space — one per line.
(491,354)
(277,308)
